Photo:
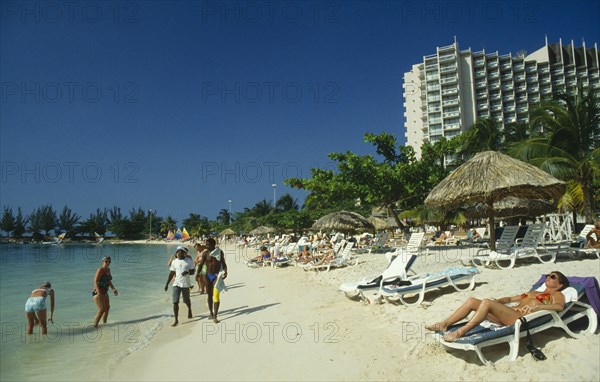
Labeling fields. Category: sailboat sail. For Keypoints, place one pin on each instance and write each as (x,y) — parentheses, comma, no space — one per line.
(60,237)
(185,235)
(170,235)
(98,237)
(178,234)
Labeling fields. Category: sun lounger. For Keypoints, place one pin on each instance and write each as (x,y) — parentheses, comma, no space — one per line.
(344,258)
(394,273)
(420,284)
(509,251)
(487,335)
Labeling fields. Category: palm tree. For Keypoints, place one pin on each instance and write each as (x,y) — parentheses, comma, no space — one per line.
(484,135)
(169,224)
(224,217)
(287,203)
(262,208)
(569,146)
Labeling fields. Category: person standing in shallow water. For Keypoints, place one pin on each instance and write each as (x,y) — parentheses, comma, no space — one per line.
(103,281)
(214,258)
(35,308)
(181,270)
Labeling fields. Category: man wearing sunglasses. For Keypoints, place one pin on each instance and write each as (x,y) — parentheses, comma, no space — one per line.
(497,312)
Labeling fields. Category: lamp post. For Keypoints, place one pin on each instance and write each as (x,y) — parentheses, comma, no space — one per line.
(229,211)
(150,228)
(274,188)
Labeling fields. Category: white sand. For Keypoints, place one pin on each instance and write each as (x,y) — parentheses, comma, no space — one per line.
(288,324)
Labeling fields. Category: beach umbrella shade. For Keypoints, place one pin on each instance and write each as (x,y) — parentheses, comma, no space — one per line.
(262,230)
(512,207)
(343,221)
(489,177)
(381,224)
(227,231)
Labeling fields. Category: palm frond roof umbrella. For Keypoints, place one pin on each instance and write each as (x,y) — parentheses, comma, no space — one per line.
(512,207)
(489,177)
(262,230)
(343,221)
(227,231)
(382,224)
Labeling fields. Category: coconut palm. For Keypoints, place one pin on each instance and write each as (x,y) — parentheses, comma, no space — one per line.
(569,146)
(224,217)
(169,224)
(287,203)
(485,134)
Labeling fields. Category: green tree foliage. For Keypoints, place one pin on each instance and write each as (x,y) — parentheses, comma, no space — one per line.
(286,203)
(8,222)
(68,220)
(20,223)
(197,225)
(97,222)
(569,146)
(397,180)
(168,224)
(224,217)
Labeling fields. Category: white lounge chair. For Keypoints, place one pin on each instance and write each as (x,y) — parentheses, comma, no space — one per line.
(429,281)
(396,271)
(481,337)
(530,246)
(344,258)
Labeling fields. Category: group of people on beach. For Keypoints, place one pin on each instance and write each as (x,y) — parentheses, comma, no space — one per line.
(212,270)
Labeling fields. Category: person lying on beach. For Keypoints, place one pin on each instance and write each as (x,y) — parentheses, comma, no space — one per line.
(592,242)
(497,312)
(35,308)
(264,255)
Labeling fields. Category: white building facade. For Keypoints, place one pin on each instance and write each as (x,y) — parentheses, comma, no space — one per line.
(449,90)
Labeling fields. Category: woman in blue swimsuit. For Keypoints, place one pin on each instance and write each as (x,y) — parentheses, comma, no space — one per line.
(35,307)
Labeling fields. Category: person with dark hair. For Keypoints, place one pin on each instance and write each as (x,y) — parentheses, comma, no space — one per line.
(35,307)
(200,272)
(103,281)
(497,312)
(216,272)
(180,270)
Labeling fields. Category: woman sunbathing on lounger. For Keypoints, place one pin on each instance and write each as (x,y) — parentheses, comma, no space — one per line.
(590,241)
(497,312)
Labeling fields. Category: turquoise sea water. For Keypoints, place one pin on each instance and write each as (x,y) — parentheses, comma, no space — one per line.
(73,350)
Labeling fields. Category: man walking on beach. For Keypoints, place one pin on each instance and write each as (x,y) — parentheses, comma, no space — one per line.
(181,270)
(216,272)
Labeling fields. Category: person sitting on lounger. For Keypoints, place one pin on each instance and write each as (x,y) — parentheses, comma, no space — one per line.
(305,256)
(264,255)
(590,241)
(496,311)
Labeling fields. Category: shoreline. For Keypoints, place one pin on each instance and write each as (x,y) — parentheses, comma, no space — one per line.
(288,324)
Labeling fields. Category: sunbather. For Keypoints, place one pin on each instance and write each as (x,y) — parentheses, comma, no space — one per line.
(496,311)
(264,255)
(590,241)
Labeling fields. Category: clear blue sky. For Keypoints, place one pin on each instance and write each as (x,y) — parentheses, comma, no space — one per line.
(181,106)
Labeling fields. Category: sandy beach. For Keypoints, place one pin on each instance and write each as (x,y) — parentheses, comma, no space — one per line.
(289,324)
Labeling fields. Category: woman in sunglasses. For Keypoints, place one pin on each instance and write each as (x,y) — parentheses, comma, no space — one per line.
(103,281)
(497,312)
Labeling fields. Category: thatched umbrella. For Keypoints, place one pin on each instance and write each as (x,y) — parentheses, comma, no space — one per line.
(343,221)
(381,224)
(489,177)
(262,230)
(227,231)
(511,207)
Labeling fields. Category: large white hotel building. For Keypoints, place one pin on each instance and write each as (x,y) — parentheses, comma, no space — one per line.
(449,90)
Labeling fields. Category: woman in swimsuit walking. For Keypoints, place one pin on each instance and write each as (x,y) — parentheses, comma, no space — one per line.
(35,307)
(103,281)
(495,310)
